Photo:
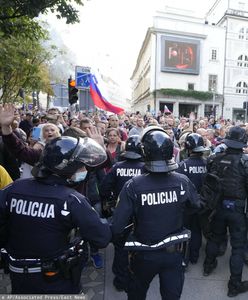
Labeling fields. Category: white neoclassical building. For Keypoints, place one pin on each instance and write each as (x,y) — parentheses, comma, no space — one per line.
(193,64)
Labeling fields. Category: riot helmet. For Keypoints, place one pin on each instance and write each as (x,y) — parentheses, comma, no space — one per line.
(158,150)
(133,147)
(195,143)
(236,138)
(64,155)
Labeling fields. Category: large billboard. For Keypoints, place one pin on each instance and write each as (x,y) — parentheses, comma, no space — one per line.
(180,55)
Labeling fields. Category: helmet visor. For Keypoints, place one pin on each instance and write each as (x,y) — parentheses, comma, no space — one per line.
(89,152)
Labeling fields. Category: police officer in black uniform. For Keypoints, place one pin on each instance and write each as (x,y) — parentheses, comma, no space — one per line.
(195,168)
(155,201)
(232,167)
(37,215)
(110,188)
(122,171)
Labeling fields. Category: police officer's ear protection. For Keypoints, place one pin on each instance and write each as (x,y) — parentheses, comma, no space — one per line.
(186,142)
(142,150)
(40,171)
(139,148)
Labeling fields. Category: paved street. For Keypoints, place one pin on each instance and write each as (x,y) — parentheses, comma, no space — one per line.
(196,286)
(97,284)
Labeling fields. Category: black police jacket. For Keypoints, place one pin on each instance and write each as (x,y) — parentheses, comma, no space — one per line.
(232,167)
(38,216)
(120,173)
(195,168)
(157,202)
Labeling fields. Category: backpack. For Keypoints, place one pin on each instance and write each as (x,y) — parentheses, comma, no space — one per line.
(211,195)
(211,191)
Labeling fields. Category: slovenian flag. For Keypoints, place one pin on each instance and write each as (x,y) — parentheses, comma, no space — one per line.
(99,100)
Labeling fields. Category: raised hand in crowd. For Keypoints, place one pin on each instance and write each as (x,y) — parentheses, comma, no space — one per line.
(7,116)
(245,150)
(95,134)
(61,120)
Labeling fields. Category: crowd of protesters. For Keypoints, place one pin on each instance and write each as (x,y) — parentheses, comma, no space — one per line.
(116,129)
(34,129)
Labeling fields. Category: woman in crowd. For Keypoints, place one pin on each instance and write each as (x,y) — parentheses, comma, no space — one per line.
(114,145)
(38,138)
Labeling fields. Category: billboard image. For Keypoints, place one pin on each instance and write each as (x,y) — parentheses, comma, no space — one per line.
(180,55)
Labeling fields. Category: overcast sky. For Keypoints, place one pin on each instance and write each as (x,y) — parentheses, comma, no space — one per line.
(111,32)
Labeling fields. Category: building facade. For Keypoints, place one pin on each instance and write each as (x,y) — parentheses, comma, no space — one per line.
(232,15)
(193,64)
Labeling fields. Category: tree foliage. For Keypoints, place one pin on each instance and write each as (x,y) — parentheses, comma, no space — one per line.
(18,16)
(13,9)
(22,65)
(24,61)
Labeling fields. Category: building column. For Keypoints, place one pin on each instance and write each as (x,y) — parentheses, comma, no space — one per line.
(176,109)
(201,108)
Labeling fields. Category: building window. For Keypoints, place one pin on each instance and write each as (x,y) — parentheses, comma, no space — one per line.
(241,87)
(212,83)
(191,86)
(243,33)
(242,61)
(213,54)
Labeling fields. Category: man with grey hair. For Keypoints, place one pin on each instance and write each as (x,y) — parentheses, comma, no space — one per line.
(138,129)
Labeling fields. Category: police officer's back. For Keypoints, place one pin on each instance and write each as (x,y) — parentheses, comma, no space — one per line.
(130,166)
(195,165)
(232,168)
(110,188)
(195,168)
(39,213)
(156,201)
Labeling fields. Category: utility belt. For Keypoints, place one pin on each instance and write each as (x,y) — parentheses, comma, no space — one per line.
(235,205)
(171,244)
(25,266)
(66,265)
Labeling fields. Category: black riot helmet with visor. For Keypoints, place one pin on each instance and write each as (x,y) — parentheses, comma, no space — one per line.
(195,143)
(64,155)
(133,147)
(236,138)
(158,150)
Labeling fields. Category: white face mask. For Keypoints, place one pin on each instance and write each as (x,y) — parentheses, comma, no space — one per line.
(80,176)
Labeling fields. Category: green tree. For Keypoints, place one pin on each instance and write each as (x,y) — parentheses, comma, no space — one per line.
(17,16)
(12,9)
(23,64)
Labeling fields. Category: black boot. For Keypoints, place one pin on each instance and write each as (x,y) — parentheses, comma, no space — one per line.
(235,288)
(209,267)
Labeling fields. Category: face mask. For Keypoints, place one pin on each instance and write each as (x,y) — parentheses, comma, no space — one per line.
(80,176)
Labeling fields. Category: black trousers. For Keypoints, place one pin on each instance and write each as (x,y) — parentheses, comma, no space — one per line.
(236,222)
(35,283)
(192,222)
(145,265)
(121,262)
